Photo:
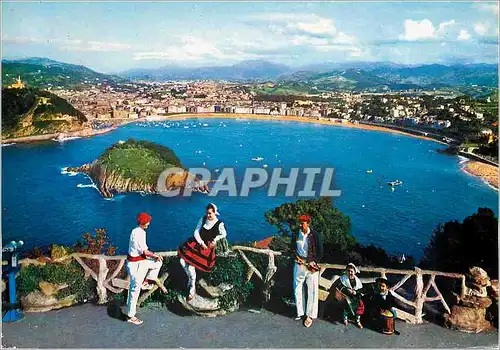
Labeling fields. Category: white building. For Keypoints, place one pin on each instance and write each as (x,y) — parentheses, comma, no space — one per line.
(242,110)
(261,110)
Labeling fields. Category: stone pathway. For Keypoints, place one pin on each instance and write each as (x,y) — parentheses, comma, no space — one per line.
(90,326)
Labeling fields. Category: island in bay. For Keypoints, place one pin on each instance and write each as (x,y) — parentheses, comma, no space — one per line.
(134,166)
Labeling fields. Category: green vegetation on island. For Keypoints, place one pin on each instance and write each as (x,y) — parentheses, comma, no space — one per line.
(133,166)
(139,160)
(30,111)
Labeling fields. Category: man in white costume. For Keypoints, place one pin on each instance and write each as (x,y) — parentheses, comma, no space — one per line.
(143,266)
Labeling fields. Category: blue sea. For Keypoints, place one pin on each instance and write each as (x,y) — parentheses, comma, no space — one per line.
(43,204)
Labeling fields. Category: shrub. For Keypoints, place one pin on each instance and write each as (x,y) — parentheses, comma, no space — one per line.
(231,270)
(455,246)
(97,244)
(328,221)
(71,274)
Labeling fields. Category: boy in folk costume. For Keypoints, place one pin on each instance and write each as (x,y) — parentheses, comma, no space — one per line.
(143,266)
(198,252)
(309,250)
(381,301)
(352,289)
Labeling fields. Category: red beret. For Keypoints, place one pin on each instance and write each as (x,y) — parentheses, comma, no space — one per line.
(143,218)
(305,218)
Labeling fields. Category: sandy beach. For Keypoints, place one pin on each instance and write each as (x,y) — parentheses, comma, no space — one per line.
(487,172)
(295,119)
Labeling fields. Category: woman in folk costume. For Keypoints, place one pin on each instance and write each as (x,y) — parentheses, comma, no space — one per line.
(143,266)
(352,289)
(198,252)
(309,250)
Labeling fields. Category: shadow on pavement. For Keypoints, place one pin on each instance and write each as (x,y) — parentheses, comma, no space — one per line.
(114,310)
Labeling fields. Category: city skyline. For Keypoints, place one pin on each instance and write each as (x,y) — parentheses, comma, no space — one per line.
(112,37)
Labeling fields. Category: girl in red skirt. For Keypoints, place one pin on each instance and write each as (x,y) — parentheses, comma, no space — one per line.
(198,252)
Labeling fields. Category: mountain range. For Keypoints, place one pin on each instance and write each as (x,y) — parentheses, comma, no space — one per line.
(355,76)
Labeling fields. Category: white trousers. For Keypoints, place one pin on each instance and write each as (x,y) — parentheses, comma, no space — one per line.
(138,271)
(300,275)
(191,273)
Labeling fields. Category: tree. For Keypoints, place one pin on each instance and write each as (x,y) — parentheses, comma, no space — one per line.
(455,246)
(333,226)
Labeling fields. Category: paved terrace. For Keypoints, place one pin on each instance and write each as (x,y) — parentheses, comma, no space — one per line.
(90,326)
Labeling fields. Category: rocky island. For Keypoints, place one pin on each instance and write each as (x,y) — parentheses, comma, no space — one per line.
(134,166)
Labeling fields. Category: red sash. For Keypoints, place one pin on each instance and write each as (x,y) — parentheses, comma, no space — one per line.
(136,258)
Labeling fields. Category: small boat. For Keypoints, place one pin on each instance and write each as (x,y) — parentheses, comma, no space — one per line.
(369,171)
(395,183)
(257,159)
(264,166)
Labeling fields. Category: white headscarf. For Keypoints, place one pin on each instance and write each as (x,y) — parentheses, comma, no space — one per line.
(353,266)
(215,208)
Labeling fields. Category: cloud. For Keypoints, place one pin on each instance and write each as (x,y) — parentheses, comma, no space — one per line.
(493,8)
(96,46)
(319,26)
(25,40)
(191,48)
(481,28)
(307,30)
(417,30)
(71,44)
(424,30)
(442,27)
(464,35)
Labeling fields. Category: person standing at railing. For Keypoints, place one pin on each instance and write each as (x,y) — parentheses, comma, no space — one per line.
(308,251)
(143,267)
(352,289)
(198,252)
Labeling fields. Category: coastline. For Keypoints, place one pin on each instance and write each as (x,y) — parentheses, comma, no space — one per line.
(488,173)
(87,132)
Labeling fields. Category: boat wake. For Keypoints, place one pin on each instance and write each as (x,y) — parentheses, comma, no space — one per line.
(63,139)
(85,186)
(462,159)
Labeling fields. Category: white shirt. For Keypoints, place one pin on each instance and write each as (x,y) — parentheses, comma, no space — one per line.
(137,244)
(208,225)
(302,244)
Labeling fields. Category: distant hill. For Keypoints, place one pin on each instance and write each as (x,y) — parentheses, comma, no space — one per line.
(351,76)
(31,111)
(243,71)
(473,79)
(436,74)
(44,72)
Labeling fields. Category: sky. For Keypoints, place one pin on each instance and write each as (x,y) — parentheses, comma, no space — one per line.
(115,36)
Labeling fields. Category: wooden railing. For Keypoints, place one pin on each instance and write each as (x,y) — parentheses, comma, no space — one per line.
(420,290)
(107,278)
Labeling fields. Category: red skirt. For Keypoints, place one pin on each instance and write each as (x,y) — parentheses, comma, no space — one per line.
(202,259)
